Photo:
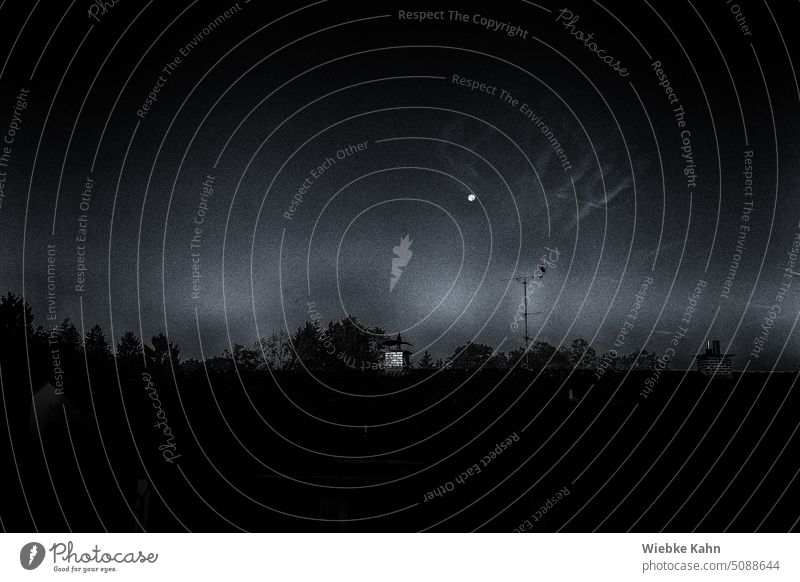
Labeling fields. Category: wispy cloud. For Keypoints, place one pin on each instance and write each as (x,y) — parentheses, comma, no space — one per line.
(594,199)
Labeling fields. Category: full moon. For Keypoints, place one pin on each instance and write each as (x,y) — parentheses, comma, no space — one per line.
(471,197)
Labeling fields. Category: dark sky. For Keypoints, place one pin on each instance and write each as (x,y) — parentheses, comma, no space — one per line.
(270,93)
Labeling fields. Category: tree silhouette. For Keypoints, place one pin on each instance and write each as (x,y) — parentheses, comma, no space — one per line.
(309,350)
(275,351)
(191,366)
(244,358)
(579,354)
(469,356)
(540,354)
(129,348)
(16,321)
(637,360)
(342,344)
(96,344)
(162,353)
(353,344)
(16,327)
(70,341)
(67,343)
(426,361)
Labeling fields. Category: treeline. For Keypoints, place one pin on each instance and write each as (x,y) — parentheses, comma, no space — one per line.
(341,345)
(57,349)
(577,354)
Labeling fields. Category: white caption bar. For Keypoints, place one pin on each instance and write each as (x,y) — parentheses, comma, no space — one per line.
(415,557)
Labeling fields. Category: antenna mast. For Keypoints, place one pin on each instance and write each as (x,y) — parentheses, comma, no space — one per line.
(538,275)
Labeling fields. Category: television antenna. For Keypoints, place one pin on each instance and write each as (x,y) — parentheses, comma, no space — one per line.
(525,279)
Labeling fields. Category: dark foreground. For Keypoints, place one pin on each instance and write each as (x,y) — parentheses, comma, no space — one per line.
(493,451)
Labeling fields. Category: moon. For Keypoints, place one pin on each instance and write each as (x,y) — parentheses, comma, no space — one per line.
(471,197)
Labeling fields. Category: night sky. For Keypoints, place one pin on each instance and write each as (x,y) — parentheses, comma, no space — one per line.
(363,110)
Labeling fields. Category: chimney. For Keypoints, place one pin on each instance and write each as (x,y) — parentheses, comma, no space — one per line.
(715,347)
(709,349)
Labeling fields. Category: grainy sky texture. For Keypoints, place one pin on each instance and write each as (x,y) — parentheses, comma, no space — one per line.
(627,176)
